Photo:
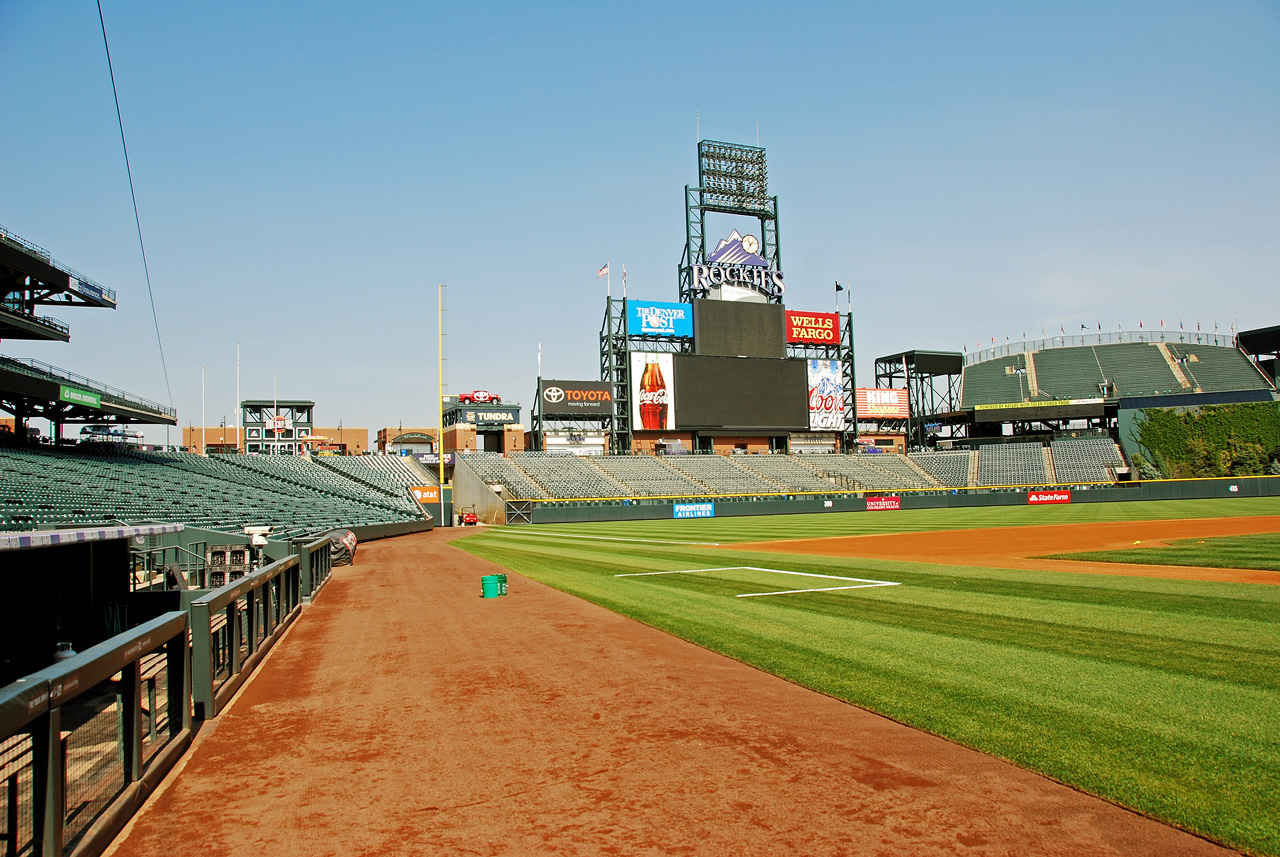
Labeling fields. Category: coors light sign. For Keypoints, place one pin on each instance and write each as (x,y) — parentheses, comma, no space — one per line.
(654,397)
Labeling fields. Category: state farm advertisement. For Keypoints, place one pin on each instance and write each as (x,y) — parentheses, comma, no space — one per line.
(884,504)
(652,392)
(1047,498)
(815,328)
(826,396)
(884,404)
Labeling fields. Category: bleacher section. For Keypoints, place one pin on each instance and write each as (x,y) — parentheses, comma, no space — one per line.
(722,475)
(1084,459)
(882,472)
(1068,373)
(566,476)
(1214,370)
(786,471)
(388,474)
(994,381)
(1011,464)
(948,468)
(42,485)
(494,470)
(646,476)
(1138,369)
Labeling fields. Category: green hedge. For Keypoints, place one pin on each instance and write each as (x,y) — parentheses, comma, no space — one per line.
(1215,440)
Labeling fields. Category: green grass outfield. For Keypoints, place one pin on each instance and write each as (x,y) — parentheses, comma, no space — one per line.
(1160,695)
(1259,552)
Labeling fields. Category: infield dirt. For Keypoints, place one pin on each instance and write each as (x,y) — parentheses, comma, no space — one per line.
(1023,547)
(403,714)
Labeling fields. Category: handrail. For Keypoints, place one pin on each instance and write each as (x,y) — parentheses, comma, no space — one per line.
(32,247)
(114,395)
(1185,337)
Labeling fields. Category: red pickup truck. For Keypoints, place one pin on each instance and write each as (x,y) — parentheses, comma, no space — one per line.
(479,397)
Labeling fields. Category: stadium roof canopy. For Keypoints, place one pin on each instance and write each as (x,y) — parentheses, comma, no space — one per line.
(30,277)
(1263,340)
(928,362)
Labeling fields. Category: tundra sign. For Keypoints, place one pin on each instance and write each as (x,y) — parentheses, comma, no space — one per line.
(575,399)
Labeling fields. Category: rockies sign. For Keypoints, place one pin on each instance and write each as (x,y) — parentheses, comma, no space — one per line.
(576,399)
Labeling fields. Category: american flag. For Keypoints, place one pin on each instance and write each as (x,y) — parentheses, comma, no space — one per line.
(600,273)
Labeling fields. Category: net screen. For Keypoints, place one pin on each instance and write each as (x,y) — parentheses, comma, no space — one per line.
(739,329)
(741,394)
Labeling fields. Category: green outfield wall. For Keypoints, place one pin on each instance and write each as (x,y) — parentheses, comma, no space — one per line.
(645,509)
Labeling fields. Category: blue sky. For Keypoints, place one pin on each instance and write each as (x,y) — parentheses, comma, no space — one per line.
(308,173)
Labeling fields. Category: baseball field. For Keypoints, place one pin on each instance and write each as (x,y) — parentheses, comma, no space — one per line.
(1141,663)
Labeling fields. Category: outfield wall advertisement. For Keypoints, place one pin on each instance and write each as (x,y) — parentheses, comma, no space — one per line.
(826,396)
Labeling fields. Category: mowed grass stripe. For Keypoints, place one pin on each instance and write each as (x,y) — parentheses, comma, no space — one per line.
(1158,694)
(1260,552)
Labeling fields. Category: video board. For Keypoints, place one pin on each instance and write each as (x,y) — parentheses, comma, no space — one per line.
(746,394)
(652,388)
(739,329)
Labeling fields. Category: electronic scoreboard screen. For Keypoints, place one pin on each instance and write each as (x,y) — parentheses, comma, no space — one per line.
(739,329)
(741,394)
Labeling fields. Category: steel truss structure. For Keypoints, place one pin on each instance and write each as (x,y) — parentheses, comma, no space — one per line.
(932,380)
(732,179)
(616,346)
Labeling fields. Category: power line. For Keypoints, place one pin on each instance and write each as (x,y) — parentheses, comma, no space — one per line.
(132,195)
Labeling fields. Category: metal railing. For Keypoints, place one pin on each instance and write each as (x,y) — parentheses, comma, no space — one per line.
(234,626)
(31,247)
(46,320)
(1190,337)
(40,369)
(315,562)
(148,565)
(78,739)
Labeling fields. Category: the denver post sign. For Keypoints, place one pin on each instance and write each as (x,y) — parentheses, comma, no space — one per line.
(575,399)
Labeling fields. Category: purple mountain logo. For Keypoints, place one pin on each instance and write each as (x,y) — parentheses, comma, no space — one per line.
(738,250)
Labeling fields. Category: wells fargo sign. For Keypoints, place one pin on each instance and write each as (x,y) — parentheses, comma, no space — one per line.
(816,328)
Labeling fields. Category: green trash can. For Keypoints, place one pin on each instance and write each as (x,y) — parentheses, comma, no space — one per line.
(491,587)
(502,583)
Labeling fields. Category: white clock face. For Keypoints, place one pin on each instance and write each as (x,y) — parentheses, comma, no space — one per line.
(750,243)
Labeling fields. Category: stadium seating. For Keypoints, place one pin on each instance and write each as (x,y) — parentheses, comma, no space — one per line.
(1213,369)
(722,475)
(566,476)
(947,468)
(880,472)
(1011,464)
(494,470)
(47,486)
(647,476)
(786,471)
(1084,459)
(995,381)
(1068,373)
(1137,369)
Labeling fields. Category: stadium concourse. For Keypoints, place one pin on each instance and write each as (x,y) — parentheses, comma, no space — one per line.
(406,715)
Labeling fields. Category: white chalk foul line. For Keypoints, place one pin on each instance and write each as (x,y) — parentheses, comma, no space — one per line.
(860,582)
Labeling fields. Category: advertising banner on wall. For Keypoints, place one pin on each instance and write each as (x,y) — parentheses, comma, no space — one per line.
(885,404)
(652,392)
(647,318)
(425,494)
(576,398)
(826,396)
(813,328)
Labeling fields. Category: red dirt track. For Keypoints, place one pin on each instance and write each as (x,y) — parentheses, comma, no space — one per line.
(1019,547)
(403,714)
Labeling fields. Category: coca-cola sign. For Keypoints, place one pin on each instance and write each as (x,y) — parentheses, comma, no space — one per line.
(576,398)
(826,396)
(652,392)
